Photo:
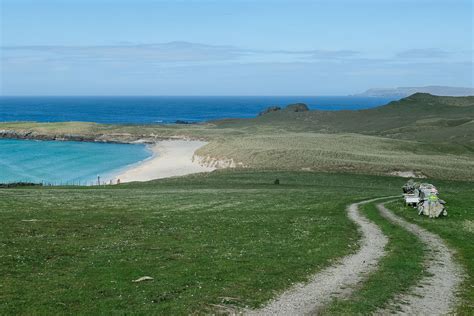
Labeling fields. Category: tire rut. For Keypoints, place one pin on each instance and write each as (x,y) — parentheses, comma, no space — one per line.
(434,294)
(336,281)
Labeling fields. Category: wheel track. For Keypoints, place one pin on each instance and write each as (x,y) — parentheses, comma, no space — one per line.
(336,281)
(436,293)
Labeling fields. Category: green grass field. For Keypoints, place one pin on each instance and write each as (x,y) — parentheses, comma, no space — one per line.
(211,242)
(225,238)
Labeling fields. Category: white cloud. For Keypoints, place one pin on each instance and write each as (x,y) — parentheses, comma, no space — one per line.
(424,53)
(172,52)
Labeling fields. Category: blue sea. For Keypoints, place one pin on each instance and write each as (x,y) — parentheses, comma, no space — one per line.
(153,110)
(81,163)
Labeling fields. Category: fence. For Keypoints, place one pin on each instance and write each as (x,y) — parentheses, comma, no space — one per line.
(21,183)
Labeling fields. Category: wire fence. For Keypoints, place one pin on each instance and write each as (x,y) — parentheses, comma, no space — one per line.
(59,183)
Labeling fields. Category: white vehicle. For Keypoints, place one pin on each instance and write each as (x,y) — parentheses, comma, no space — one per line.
(411,199)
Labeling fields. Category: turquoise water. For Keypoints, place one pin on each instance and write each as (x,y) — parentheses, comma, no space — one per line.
(59,162)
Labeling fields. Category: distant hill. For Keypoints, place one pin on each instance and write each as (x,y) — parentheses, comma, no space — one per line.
(421,116)
(403,92)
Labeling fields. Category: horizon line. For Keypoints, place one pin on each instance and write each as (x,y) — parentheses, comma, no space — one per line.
(175,95)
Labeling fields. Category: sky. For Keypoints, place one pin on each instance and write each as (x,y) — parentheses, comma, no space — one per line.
(259,47)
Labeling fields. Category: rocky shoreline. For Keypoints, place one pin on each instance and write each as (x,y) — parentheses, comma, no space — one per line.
(122,138)
(12,134)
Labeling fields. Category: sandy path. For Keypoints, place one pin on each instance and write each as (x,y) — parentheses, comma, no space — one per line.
(435,294)
(335,281)
(171,158)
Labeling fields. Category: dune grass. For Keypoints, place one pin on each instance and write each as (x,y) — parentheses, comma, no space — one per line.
(341,152)
(396,273)
(457,229)
(211,242)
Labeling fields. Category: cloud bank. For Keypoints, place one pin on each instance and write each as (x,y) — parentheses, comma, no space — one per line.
(184,68)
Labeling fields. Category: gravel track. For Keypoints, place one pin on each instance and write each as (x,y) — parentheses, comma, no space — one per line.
(434,294)
(337,280)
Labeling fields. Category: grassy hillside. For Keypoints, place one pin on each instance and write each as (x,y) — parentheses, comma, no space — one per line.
(424,133)
(439,119)
(223,239)
(211,242)
(342,152)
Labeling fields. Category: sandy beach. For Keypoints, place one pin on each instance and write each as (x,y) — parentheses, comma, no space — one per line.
(170,158)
